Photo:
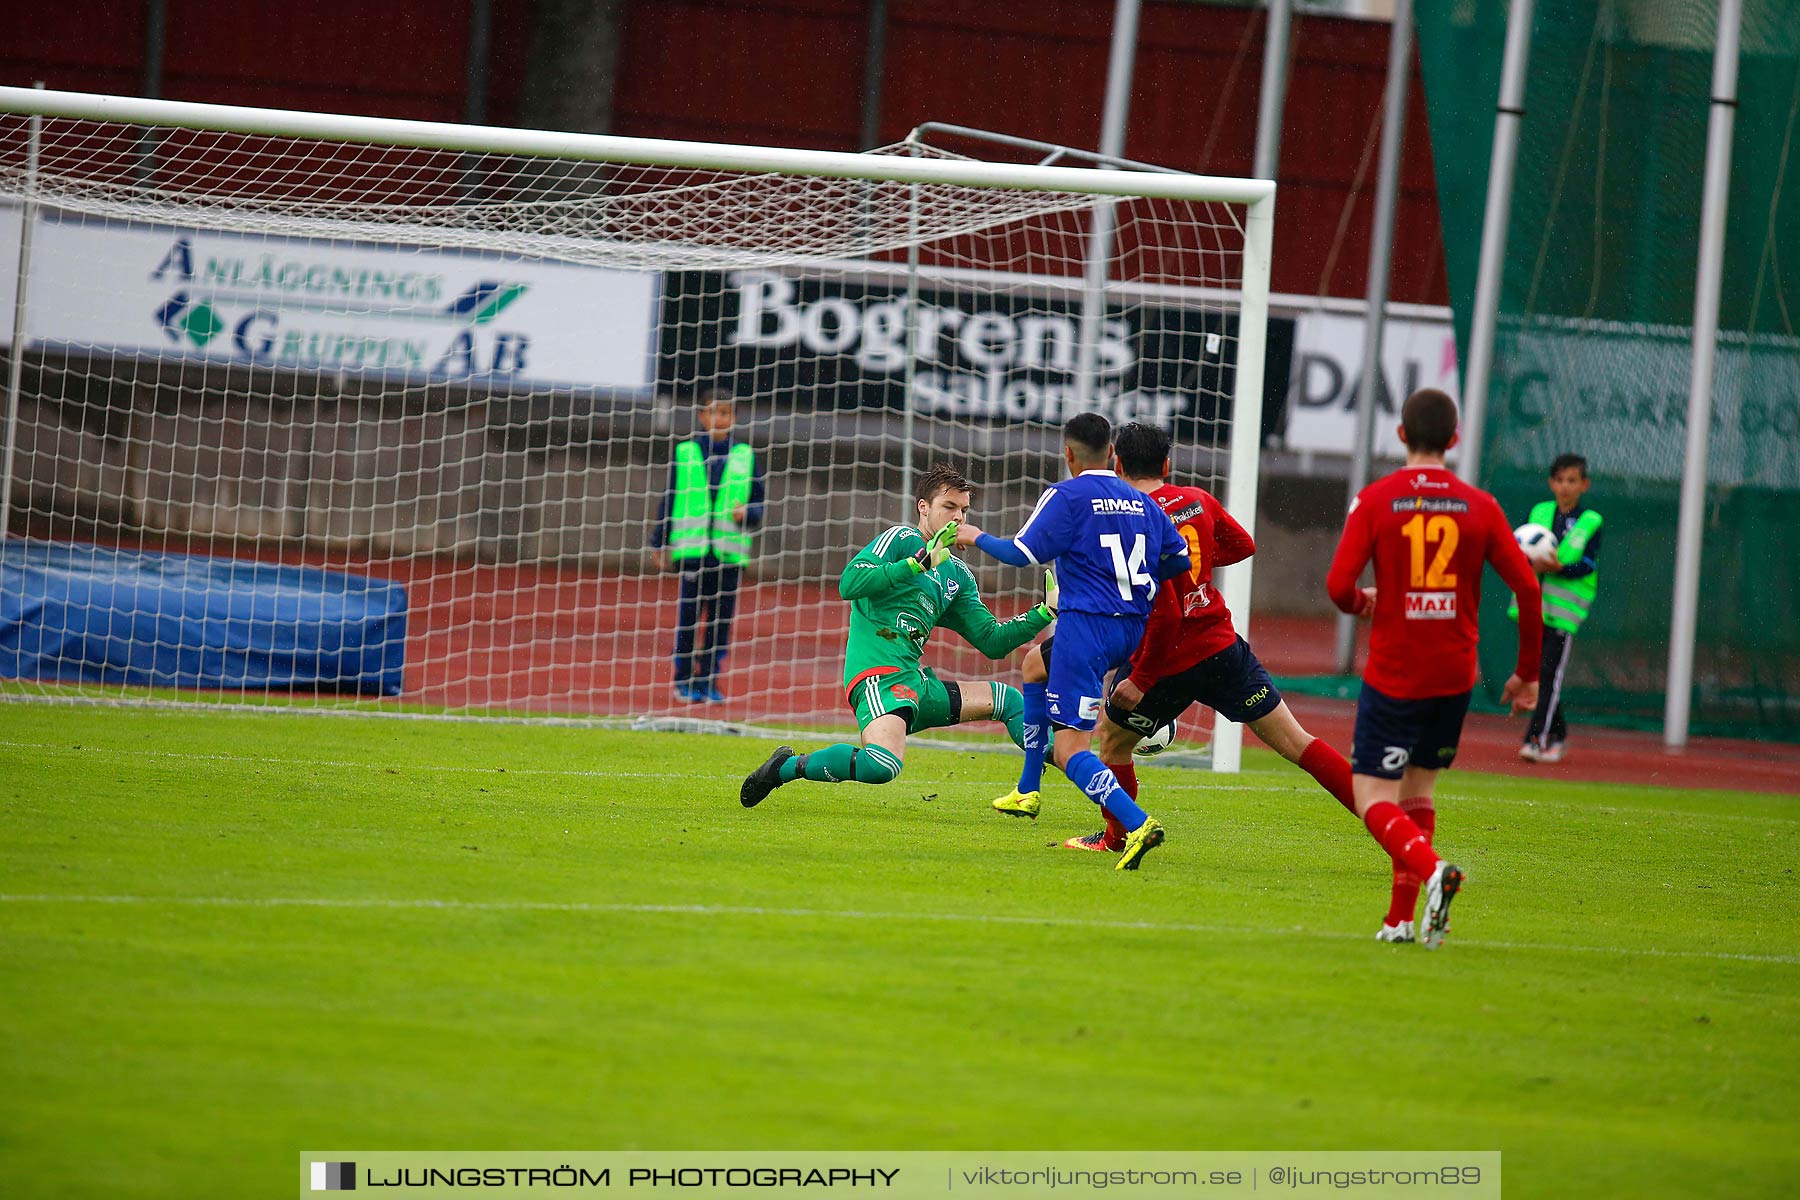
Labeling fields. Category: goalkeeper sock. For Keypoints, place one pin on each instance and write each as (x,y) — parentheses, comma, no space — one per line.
(1036,722)
(833,764)
(1331,769)
(1009,710)
(1087,772)
(843,763)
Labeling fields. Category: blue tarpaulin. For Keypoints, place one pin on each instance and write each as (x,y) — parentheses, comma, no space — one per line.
(77,613)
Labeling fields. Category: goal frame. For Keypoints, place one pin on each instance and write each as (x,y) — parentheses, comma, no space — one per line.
(1257,197)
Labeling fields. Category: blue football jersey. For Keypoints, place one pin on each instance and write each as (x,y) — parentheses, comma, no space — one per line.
(1106,539)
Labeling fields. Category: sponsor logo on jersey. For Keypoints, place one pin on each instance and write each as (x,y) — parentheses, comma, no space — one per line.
(1117,504)
(901,692)
(1431,606)
(1089,708)
(1194,601)
(1192,512)
(1430,504)
(1253,701)
(1422,480)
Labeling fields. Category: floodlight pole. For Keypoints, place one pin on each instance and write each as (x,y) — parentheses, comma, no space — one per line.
(16,351)
(1271,100)
(1678,699)
(1381,253)
(1507,115)
(1100,236)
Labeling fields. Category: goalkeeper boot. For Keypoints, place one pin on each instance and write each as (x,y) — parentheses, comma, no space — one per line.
(1403,932)
(1440,890)
(765,779)
(1139,842)
(1094,841)
(1019,804)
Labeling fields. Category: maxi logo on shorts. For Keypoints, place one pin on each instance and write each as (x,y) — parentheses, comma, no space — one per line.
(1431,606)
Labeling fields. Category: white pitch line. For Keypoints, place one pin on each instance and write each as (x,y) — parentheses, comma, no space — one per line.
(730,910)
(1275,783)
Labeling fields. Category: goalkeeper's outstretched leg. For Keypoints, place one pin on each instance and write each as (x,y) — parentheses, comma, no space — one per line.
(882,755)
(880,759)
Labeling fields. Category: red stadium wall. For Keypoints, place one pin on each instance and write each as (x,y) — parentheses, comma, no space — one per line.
(791,72)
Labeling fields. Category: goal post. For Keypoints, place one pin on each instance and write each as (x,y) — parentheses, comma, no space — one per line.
(440,375)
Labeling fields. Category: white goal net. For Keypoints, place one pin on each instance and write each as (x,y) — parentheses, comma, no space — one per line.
(339,412)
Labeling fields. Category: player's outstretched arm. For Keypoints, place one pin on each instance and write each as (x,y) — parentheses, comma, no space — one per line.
(1000,549)
(1043,537)
(882,565)
(975,623)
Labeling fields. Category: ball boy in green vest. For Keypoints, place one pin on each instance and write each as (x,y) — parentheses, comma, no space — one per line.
(713,505)
(1570,579)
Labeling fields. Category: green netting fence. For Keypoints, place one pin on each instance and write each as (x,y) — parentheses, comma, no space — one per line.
(1592,353)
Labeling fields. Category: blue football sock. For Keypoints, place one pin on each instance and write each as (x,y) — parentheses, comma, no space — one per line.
(1037,733)
(1087,772)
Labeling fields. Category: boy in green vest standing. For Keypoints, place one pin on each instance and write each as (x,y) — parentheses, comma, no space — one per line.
(713,505)
(1569,583)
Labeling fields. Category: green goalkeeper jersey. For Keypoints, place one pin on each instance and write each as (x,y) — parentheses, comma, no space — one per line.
(893,609)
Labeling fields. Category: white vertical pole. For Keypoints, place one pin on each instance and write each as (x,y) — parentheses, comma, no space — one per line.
(1271,102)
(1381,252)
(1100,238)
(1507,115)
(16,352)
(1679,696)
(1246,441)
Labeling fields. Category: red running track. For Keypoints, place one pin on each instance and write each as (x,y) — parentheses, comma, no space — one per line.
(560,641)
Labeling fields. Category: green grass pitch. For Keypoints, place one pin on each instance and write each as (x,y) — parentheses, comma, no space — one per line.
(226,938)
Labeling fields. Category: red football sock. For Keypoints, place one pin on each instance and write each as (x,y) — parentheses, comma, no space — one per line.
(1401,838)
(1405,900)
(1126,774)
(1331,769)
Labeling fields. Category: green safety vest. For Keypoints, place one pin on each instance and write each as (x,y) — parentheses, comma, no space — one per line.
(701,519)
(1566,601)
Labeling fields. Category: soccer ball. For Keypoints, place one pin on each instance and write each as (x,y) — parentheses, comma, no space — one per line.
(1535,540)
(1156,743)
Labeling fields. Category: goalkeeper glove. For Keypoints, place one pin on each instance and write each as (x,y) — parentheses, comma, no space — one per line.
(1052,594)
(937,549)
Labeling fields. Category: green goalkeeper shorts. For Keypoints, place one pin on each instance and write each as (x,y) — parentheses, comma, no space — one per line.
(919,696)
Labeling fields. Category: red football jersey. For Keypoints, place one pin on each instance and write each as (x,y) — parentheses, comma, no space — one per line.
(1190,621)
(1429,534)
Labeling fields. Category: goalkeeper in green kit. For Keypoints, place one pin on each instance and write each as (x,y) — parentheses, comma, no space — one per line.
(901,586)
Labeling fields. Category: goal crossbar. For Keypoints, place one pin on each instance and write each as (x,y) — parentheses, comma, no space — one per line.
(711,156)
